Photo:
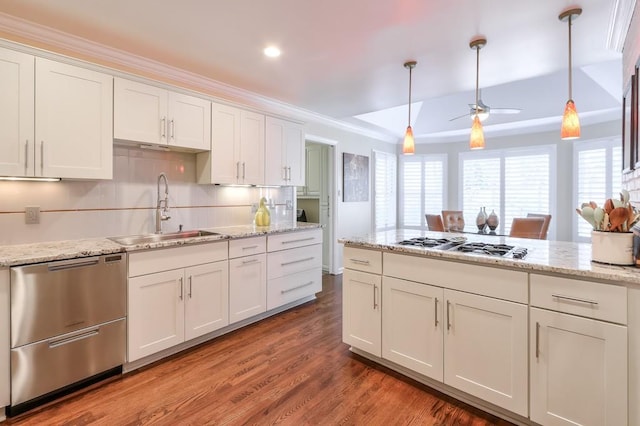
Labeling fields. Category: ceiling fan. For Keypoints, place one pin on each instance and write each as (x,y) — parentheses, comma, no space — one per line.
(485,110)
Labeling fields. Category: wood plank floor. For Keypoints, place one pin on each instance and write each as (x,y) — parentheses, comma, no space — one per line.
(291,369)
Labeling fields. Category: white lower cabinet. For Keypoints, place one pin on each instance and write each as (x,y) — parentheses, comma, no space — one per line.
(206,298)
(412,326)
(247,278)
(485,349)
(578,370)
(361,311)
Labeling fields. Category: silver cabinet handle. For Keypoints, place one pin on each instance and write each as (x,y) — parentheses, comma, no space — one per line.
(163,127)
(284,169)
(296,287)
(435,309)
(245,262)
(289,168)
(448,319)
(190,285)
(237,170)
(67,340)
(173,132)
(26,156)
(181,288)
(298,241)
(375,299)
(42,157)
(574,299)
(306,259)
(250,247)
(537,339)
(243,170)
(361,262)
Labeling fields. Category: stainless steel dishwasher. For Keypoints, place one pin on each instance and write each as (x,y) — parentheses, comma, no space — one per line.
(68,326)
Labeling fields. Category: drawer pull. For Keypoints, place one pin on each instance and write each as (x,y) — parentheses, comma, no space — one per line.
(296,287)
(435,309)
(67,340)
(306,259)
(250,247)
(537,340)
(574,299)
(360,262)
(246,262)
(299,240)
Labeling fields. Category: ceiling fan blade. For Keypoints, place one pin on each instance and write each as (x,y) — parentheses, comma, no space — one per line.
(506,110)
(460,116)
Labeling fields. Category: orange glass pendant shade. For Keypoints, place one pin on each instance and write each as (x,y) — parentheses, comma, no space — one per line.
(408,147)
(570,122)
(476,141)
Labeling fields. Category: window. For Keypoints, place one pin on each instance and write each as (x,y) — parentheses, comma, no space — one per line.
(598,176)
(512,182)
(384,190)
(422,188)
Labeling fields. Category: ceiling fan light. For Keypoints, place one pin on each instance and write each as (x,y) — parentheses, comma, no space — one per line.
(570,122)
(482,115)
(476,141)
(408,147)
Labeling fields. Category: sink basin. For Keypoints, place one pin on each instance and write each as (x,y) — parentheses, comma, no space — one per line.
(132,240)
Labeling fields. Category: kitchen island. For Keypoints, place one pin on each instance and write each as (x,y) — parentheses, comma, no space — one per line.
(551,338)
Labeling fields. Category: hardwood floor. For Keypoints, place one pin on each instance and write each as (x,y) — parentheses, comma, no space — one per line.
(290,369)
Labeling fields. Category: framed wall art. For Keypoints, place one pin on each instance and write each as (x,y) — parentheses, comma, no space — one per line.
(355,177)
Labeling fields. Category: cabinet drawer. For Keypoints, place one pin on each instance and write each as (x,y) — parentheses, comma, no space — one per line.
(363,260)
(150,261)
(585,298)
(287,289)
(287,262)
(291,240)
(486,281)
(247,246)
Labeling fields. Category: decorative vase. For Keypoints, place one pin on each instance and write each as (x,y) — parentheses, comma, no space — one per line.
(614,248)
(263,217)
(493,221)
(481,219)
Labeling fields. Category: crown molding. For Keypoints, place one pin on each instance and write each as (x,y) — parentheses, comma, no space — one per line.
(619,23)
(31,32)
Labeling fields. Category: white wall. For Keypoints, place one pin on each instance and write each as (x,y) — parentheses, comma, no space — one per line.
(565,210)
(126,204)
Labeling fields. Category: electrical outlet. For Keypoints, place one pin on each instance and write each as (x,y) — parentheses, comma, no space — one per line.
(32,215)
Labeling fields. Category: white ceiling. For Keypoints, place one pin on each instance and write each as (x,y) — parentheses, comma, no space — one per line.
(345,58)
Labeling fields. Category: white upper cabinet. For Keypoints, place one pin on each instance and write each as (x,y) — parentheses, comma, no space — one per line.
(149,114)
(17,112)
(73,122)
(237,148)
(284,153)
(58,119)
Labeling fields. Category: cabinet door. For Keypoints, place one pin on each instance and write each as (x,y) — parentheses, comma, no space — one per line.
(294,146)
(578,370)
(275,170)
(139,112)
(74,122)
(189,124)
(207,298)
(314,171)
(225,140)
(156,313)
(251,148)
(361,313)
(16,110)
(485,347)
(412,326)
(247,287)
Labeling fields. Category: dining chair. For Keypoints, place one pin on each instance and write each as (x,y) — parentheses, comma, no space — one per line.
(434,222)
(527,227)
(545,227)
(453,220)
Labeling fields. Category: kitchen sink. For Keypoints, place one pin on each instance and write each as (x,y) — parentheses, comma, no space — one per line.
(132,240)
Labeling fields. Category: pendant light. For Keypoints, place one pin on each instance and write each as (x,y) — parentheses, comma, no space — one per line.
(476,140)
(408,146)
(570,121)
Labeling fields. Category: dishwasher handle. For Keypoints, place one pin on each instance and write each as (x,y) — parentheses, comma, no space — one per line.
(71,264)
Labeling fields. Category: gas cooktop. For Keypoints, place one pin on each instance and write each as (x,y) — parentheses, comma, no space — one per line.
(461,244)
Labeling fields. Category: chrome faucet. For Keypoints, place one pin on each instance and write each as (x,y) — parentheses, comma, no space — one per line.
(162,208)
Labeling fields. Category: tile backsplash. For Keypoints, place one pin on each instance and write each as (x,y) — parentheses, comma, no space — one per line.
(126,204)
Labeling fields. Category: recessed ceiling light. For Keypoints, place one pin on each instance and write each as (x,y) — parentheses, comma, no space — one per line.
(272,52)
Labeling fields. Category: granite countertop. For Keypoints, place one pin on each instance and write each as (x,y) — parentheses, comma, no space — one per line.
(22,254)
(551,257)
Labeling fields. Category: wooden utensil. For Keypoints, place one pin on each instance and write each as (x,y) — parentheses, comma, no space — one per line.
(617,218)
